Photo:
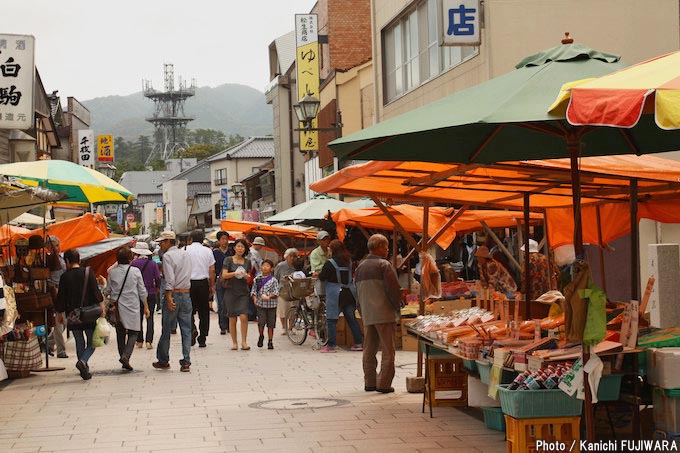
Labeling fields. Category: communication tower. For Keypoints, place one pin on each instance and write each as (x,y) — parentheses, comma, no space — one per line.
(168,117)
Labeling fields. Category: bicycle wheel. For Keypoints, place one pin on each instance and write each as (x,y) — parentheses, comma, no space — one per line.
(297,328)
(321,326)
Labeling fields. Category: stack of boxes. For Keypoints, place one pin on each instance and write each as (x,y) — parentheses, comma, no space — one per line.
(663,372)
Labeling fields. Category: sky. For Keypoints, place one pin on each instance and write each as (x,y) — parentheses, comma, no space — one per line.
(93,48)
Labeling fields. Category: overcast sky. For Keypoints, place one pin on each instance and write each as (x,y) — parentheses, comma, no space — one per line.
(92,48)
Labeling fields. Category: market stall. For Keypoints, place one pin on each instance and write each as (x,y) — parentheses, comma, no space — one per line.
(278,238)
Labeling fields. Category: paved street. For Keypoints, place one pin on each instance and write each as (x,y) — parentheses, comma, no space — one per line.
(290,399)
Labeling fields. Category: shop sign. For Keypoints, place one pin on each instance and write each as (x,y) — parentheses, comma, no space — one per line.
(105,149)
(86,148)
(460,23)
(307,63)
(17,71)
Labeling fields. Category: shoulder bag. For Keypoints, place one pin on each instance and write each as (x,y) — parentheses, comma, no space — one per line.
(80,317)
(112,306)
(225,282)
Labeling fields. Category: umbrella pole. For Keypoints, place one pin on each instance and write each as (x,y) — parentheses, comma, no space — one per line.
(573,145)
(634,242)
(527,276)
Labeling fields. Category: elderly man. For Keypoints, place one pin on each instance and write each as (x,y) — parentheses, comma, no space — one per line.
(321,254)
(202,285)
(380,304)
(255,256)
(177,307)
(282,270)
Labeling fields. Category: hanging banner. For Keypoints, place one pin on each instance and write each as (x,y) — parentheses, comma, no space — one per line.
(460,23)
(17,56)
(105,149)
(86,148)
(307,63)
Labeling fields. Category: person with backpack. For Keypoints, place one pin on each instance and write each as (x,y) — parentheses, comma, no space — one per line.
(340,296)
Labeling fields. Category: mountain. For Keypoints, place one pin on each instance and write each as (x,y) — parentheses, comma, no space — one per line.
(230,108)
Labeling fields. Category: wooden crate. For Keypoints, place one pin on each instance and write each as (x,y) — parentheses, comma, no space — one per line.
(522,433)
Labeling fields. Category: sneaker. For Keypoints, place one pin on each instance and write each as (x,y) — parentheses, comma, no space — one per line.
(369,388)
(161,365)
(270,344)
(327,349)
(149,345)
(185,368)
(260,341)
(357,347)
(139,344)
(387,390)
(223,332)
(62,355)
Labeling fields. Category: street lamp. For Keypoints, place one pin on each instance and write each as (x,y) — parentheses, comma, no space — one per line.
(238,189)
(308,108)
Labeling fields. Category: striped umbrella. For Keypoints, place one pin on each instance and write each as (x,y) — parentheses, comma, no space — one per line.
(81,185)
(619,99)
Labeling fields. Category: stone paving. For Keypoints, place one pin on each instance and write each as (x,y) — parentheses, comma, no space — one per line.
(292,398)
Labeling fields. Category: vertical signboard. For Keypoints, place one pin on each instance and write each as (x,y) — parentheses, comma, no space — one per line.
(224,195)
(16,81)
(307,63)
(105,151)
(460,22)
(86,148)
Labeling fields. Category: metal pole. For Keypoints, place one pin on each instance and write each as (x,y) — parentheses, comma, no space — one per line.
(527,274)
(634,242)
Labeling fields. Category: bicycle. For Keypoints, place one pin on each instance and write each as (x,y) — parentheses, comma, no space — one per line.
(308,313)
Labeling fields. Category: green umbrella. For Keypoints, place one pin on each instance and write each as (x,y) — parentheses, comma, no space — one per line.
(507,119)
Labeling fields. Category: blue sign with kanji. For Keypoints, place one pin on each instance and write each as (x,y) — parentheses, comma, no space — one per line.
(461,22)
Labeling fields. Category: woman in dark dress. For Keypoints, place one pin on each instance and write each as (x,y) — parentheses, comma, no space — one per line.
(235,270)
(69,298)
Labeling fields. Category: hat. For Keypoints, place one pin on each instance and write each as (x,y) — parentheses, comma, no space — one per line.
(258,241)
(36,242)
(483,252)
(533,246)
(165,235)
(141,248)
(322,235)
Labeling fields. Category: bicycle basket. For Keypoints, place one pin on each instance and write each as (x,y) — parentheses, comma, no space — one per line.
(302,287)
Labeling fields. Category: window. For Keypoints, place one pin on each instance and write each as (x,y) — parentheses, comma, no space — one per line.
(411,52)
(221,177)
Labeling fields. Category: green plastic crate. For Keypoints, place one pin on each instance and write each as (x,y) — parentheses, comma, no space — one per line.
(494,418)
(609,387)
(470,365)
(538,403)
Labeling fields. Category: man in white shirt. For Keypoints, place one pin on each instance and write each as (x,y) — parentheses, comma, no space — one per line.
(202,285)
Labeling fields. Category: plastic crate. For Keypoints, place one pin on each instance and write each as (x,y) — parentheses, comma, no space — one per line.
(609,387)
(538,403)
(448,376)
(484,368)
(493,418)
(522,434)
(667,410)
(470,365)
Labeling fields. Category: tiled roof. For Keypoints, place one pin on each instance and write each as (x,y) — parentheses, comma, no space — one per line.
(250,148)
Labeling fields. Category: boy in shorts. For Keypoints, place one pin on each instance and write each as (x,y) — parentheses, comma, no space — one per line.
(265,293)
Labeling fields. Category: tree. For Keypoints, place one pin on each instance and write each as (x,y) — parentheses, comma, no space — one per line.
(201,151)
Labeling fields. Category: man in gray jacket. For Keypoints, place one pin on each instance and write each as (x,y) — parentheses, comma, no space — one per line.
(379,303)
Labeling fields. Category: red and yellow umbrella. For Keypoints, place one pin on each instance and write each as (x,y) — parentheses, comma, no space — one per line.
(619,99)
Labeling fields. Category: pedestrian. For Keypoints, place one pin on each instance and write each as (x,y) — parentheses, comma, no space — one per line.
(493,274)
(283,270)
(202,286)
(543,275)
(265,293)
(177,307)
(152,282)
(340,296)
(235,270)
(321,254)
(126,285)
(255,256)
(299,268)
(379,299)
(70,296)
(220,253)
(57,266)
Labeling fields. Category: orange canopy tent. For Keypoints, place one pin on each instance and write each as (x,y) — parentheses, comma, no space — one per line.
(411,219)
(73,233)
(274,236)
(547,183)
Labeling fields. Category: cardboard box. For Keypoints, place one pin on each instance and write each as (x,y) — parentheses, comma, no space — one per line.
(409,343)
(441,307)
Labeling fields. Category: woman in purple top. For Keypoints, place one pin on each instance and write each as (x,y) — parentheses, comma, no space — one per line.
(152,282)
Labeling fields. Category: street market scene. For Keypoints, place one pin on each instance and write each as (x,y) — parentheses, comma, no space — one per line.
(411,225)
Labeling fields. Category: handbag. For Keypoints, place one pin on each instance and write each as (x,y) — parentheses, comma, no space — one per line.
(80,317)
(112,306)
